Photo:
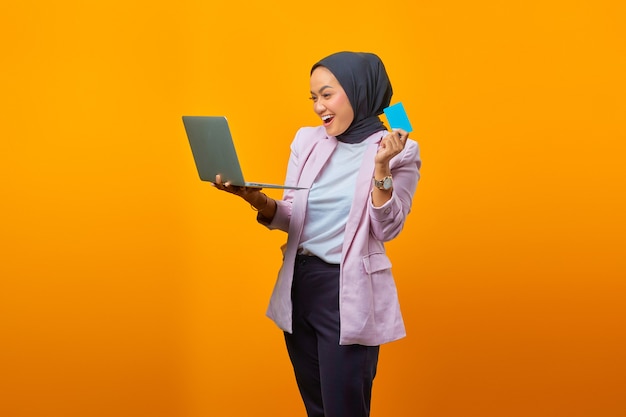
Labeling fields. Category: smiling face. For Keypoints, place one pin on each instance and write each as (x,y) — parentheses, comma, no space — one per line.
(330,102)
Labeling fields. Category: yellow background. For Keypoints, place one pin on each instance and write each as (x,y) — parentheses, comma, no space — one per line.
(130,288)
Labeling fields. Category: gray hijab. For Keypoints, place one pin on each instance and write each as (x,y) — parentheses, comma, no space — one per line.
(363,77)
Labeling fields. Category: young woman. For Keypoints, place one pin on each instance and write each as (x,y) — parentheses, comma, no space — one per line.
(335,297)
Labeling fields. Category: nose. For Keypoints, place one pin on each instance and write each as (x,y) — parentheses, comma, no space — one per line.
(318,107)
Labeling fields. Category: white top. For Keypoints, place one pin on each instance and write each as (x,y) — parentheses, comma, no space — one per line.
(330,199)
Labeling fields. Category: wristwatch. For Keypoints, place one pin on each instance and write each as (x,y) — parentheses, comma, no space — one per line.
(384,184)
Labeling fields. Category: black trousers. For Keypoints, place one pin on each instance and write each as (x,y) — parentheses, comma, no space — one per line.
(334,380)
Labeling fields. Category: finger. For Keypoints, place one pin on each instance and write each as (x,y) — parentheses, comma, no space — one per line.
(218,181)
(402,134)
(389,143)
(389,139)
(224,186)
(228,187)
(252,189)
(395,140)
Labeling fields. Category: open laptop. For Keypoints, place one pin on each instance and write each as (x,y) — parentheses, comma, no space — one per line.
(214,151)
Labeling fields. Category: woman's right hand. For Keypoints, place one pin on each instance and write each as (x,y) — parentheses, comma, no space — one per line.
(250,194)
(259,201)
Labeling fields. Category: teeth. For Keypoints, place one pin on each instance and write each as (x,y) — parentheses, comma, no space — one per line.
(328,116)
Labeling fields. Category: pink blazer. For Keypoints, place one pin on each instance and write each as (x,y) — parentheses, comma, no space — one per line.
(368,300)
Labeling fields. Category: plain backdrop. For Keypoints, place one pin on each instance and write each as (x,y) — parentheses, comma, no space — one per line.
(130,288)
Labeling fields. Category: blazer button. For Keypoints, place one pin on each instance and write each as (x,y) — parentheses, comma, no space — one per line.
(388,210)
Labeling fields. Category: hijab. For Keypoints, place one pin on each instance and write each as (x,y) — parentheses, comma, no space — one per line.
(363,77)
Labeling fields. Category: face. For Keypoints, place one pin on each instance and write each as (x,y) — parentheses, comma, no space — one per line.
(330,102)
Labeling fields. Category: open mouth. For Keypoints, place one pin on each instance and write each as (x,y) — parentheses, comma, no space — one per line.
(327,119)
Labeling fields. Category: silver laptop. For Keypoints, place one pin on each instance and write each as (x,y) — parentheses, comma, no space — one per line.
(214,151)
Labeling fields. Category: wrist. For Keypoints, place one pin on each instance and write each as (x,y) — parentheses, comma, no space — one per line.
(259,202)
(381,170)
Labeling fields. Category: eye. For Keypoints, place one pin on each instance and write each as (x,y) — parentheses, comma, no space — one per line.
(326,95)
(313,98)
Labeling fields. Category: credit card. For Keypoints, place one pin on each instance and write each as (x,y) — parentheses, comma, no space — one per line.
(397,118)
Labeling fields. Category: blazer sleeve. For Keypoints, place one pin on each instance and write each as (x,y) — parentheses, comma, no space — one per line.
(387,221)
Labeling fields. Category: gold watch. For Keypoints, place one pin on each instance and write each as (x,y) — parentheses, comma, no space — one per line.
(384,184)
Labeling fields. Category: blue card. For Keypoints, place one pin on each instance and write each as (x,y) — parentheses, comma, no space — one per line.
(397,118)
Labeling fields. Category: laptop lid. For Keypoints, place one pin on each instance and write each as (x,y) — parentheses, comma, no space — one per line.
(214,151)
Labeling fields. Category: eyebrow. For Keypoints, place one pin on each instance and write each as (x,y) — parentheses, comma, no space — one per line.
(322,89)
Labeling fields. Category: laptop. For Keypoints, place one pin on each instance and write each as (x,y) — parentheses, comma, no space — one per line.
(214,151)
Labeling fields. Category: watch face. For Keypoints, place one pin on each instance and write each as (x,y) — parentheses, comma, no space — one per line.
(387,183)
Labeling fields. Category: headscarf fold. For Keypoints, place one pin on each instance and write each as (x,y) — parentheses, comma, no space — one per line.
(363,77)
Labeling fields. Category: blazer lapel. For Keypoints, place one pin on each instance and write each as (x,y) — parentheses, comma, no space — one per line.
(317,161)
(314,164)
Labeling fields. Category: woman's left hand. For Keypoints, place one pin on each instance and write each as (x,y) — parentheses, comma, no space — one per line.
(391,145)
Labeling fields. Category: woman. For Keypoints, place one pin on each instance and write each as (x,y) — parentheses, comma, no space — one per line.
(335,297)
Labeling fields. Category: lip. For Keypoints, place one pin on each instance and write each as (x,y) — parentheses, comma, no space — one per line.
(329,122)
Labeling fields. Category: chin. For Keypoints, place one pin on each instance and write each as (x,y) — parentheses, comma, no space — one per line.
(333,132)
